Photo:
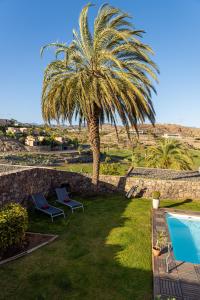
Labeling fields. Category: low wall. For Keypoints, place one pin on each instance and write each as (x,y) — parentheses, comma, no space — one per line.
(42,148)
(19,185)
(169,189)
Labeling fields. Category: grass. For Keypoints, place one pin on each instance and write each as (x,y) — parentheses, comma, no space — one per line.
(116,155)
(123,156)
(87,168)
(102,254)
(77,167)
(196,158)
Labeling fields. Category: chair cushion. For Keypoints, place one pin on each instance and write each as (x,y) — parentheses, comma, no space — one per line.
(45,207)
(67,200)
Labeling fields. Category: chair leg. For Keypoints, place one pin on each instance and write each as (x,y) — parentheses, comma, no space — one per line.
(83,208)
(51,219)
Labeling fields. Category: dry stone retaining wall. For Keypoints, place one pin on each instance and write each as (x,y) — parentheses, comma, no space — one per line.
(19,185)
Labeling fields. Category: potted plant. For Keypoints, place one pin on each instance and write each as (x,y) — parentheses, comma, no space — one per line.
(161,242)
(156,199)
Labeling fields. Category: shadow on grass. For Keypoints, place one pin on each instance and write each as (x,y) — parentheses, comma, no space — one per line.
(100,254)
(179,203)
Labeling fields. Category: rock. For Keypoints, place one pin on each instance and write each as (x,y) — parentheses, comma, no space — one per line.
(10,145)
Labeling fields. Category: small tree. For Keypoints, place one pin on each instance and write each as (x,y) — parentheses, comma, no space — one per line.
(169,153)
(105,75)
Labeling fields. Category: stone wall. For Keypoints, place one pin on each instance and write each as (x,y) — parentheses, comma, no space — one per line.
(41,148)
(19,185)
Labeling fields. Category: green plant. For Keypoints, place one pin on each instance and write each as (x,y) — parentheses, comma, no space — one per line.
(2,133)
(13,224)
(103,75)
(156,195)
(47,141)
(110,169)
(169,154)
(10,134)
(107,159)
(80,149)
(161,239)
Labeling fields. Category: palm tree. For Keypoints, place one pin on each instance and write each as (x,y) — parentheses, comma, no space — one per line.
(100,76)
(169,154)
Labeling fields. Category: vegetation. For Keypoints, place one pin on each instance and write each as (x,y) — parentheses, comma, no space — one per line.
(139,154)
(104,253)
(115,169)
(13,224)
(169,154)
(156,195)
(31,159)
(110,168)
(161,240)
(103,75)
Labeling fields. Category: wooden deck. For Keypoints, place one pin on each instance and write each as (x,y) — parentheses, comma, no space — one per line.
(183,279)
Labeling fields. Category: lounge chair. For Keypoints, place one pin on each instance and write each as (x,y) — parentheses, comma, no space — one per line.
(41,204)
(63,198)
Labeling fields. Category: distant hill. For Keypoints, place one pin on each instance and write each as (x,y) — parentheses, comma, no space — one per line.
(161,129)
(149,134)
(173,128)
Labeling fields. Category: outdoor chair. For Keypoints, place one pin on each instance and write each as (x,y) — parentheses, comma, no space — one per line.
(63,198)
(42,205)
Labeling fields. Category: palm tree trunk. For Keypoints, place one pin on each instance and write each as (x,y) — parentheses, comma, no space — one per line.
(93,126)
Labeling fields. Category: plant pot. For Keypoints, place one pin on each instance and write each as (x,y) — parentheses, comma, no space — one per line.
(156,203)
(156,251)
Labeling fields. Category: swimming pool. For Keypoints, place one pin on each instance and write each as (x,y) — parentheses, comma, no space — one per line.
(184,232)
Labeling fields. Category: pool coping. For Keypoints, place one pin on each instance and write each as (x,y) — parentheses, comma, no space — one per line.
(183,280)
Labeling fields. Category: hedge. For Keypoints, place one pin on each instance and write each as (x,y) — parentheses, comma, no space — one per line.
(13,225)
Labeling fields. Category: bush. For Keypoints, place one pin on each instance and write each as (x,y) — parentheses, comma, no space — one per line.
(156,195)
(110,169)
(13,224)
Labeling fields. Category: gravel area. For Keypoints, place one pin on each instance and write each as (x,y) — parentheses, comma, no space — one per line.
(165,174)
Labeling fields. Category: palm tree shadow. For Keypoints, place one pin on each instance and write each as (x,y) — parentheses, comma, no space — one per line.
(179,203)
(119,277)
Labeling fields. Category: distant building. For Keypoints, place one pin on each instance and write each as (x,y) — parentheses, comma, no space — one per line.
(31,141)
(16,130)
(23,129)
(35,141)
(59,139)
(172,136)
(140,131)
(13,130)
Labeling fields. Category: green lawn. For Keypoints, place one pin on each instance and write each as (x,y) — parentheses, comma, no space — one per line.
(196,158)
(116,155)
(123,156)
(122,168)
(102,254)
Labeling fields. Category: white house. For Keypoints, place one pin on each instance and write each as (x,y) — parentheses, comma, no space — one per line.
(172,136)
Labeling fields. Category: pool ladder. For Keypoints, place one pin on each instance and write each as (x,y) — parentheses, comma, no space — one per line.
(169,249)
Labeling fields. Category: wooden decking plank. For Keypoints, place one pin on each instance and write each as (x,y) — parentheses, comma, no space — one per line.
(170,288)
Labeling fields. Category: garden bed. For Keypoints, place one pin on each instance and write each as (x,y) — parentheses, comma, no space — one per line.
(32,242)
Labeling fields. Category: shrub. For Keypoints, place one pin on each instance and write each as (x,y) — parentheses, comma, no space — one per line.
(13,224)
(107,159)
(110,169)
(156,195)
(80,149)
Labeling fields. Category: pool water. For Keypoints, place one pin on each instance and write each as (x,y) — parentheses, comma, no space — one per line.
(185,236)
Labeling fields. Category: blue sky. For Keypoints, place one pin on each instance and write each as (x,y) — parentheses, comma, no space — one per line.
(172,29)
